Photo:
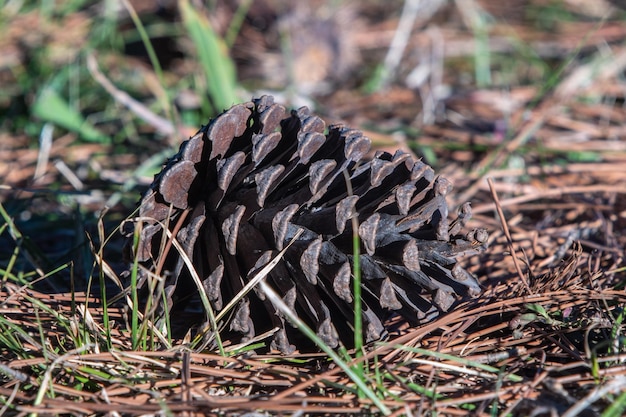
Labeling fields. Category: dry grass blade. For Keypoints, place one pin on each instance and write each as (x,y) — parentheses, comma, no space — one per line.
(161,125)
(505,228)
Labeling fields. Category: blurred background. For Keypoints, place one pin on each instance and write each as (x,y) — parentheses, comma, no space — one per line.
(94,96)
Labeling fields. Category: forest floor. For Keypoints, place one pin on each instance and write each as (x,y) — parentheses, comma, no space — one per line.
(521,104)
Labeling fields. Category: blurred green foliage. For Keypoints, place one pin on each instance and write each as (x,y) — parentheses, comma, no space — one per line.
(47,79)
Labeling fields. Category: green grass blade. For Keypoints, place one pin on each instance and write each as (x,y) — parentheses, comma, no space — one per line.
(213,55)
(51,107)
(154,60)
(236,22)
(358,307)
(617,407)
(134,320)
(356,285)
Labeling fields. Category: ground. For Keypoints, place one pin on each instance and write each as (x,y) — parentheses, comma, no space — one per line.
(521,104)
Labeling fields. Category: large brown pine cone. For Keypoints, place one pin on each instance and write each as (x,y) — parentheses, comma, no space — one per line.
(240,189)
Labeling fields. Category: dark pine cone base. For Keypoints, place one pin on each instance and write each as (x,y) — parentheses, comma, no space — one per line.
(239,191)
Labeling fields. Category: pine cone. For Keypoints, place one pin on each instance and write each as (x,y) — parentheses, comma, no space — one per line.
(240,190)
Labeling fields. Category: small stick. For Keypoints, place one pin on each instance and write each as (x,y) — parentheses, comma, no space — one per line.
(163,126)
